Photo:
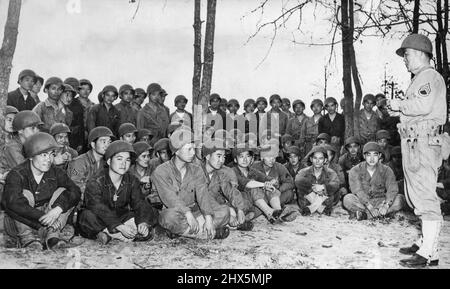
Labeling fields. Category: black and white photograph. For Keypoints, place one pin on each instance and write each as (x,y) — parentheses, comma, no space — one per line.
(226,135)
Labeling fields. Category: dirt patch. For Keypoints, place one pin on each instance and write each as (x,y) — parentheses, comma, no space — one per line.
(308,242)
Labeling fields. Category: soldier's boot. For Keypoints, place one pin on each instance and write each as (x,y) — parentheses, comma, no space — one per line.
(427,255)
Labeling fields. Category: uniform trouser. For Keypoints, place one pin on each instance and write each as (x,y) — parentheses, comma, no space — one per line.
(352,203)
(252,195)
(420,165)
(23,234)
(330,202)
(89,224)
(174,219)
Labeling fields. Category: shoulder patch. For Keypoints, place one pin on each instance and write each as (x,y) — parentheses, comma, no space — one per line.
(425,90)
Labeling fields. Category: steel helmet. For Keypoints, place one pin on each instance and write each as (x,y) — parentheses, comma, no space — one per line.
(59,128)
(141,147)
(26,118)
(26,72)
(127,127)
(72,81)
(99,131)
(10,110)
(316,101)
(416,41)
(39,143)
(118,146)
(371,146)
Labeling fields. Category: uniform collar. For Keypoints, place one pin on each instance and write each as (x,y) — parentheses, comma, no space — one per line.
(49,104)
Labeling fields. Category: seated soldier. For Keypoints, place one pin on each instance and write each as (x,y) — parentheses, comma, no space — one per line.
(115,206)
(127,132)
(258,188)
(189,208)
(9,114)
(317,185)
(268,166)
(322,139)
(162,154)
(38,197)
(374,191)
(65,154)
(141,170)
(396,165)
(383,138)
(351,157)
(222,185)
(82,168)
(286,142)
(293,165)
(332,163)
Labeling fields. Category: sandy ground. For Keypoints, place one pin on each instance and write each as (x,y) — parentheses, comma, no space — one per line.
(307,242)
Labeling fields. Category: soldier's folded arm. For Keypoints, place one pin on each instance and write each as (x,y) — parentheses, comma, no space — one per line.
(356,186)
(95,203)
(302,183)
(421,104)
(167,191)
(16,204)
(72,194)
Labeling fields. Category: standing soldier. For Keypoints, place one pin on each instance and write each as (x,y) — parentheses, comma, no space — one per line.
(333,123)
(139,97)
(52,110)
(277,114)
(153,115)
(76,138)
(294,124)
(310,127)
(38,197)
(84,92)
(127,112)
(286,106)
(214,111)
(261,105)
(422,114)
(223,104)
(180,115)
(369,122)
(105,113)
(34,91)
(21,98)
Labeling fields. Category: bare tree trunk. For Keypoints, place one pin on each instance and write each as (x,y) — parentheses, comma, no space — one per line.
(7,53)
(416,15)
(438,40)
(208,57)
(347,41)
(446,72)
(355,74)
(197,54)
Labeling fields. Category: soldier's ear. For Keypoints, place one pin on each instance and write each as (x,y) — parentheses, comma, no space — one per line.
(109,162)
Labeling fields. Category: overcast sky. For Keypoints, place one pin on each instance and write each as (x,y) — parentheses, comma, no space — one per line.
(99,40)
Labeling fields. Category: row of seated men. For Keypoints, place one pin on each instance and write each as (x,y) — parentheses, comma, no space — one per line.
(117,191)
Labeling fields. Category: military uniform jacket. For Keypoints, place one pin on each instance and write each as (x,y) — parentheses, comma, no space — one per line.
(18,100)
(368,127)
(186,119)
(82,168)
(223,186)
(77,127)
(21,178)
(294,127)
(381,185)
(99,115)
(279,172)
(109,204)
(185,194)
(155,118)
(333,128)
(127,112)
(425,98)
(11,154)
(51,114)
